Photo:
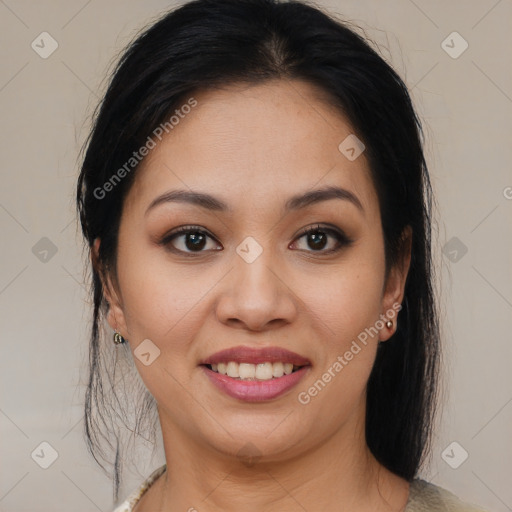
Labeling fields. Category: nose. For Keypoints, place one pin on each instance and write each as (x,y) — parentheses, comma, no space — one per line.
(256,296)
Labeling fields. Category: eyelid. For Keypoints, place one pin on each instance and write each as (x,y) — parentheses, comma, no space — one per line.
(342,238)
(339,234)
(166,239)
(328,228)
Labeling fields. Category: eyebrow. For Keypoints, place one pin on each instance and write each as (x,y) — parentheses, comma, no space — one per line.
(296,202)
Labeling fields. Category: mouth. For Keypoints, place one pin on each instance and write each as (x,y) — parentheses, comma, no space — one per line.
(255,356)
(250,372)
(255,374)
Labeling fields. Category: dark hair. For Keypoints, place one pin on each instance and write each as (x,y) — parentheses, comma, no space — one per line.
(212,43)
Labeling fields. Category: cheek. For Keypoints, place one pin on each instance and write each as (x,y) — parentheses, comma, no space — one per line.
(160,300)
(345,297)
(343,308)
(162,303)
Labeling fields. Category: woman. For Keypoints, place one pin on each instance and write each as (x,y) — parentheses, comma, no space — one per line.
(257,207)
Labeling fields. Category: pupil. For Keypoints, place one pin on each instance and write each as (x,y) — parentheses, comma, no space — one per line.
(197,241)
(316,238)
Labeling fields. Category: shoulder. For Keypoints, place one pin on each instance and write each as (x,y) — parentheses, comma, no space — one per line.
(428,497)
(128,504)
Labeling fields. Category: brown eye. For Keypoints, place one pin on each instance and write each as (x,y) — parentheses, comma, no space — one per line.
(193,239)
(190,239)
(317,239)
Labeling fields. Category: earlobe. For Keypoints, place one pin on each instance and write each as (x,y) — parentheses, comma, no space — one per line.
(400,271)
(389,326)
(395,287)
(115,314)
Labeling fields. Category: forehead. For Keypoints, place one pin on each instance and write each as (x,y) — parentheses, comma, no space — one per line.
(253,144)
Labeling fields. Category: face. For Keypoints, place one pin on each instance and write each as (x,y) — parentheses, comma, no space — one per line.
(245,273)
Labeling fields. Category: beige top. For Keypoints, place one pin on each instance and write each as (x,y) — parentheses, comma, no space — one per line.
(423,497)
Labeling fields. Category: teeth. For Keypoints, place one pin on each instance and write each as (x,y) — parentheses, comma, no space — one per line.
(264,371)
(247,371)
(261,371)
(288,368)
(232,370)
(278,369)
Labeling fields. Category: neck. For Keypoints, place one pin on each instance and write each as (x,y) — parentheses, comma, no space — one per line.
(339,475)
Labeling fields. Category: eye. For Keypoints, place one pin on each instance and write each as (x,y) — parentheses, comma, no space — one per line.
(193,239)
(317,238)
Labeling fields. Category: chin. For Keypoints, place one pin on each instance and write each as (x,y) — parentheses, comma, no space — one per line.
(253,441)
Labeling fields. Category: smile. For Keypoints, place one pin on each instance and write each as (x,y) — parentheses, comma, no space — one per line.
(247,371)
(247,386)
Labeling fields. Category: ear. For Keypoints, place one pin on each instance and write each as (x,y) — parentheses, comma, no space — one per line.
(115,314)
(394,288)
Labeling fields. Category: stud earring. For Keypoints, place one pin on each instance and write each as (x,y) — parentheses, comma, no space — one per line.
(389,324)
(118,339)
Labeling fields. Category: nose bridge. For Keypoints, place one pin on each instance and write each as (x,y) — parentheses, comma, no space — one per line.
(256,295)
(254,272)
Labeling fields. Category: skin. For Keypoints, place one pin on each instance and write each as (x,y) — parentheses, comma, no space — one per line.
(253,147)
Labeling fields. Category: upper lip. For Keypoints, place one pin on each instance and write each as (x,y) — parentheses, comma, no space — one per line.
(253,355)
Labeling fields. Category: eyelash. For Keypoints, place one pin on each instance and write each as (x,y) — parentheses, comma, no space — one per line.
(343,240)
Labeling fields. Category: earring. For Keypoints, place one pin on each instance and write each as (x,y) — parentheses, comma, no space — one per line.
(389,324)
(118,339)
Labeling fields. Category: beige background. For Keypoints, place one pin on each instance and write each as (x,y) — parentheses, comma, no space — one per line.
(466,105)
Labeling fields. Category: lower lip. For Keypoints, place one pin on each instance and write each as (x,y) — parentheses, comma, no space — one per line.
(255,390)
